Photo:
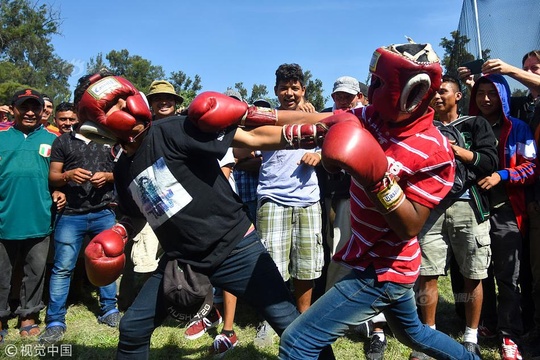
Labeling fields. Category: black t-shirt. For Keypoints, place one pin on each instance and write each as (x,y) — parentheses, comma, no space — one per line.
(75,151)
(175,182)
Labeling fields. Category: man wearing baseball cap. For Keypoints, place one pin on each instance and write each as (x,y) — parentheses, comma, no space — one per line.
(346,93)
(25,208)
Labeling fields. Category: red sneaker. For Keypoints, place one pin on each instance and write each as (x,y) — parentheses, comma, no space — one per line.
(198,328)
(509,350)
(224,343)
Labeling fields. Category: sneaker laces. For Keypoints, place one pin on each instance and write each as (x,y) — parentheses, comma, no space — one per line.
(261,328)
(204,321)
(376,345)
(509,348)
(222,341)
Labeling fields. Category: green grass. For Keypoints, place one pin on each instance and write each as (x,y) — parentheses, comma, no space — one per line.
(92,341)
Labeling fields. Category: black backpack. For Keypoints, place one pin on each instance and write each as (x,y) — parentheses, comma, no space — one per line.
(453,134)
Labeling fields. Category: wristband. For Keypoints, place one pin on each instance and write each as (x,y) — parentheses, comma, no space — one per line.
(389,193)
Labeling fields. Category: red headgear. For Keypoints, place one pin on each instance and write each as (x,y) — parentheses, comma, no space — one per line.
(404,79)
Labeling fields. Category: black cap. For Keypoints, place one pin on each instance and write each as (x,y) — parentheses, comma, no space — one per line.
(363,89)
(22,95)
(189,293)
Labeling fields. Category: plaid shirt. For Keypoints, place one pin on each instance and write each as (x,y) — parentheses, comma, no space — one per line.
(246,183)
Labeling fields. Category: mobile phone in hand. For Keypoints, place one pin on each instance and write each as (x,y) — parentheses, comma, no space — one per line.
(475,66)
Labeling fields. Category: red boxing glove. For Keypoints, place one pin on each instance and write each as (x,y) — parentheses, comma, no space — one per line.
(104,256)
(308,136)
(104,94)
(350,147)
(212,111)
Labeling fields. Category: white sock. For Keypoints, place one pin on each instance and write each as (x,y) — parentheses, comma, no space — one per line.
(433,327)
(470,335)
(380,334)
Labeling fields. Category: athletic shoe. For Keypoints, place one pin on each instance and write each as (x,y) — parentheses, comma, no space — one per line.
(265,335)
(52,334)
(418,355)
(485,332)
(198,328)
(376,348)
(509,350)
(110,318)
(224,343)
(472,347)
(365,329)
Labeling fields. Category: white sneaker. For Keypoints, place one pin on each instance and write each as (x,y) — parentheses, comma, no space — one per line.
(265,335)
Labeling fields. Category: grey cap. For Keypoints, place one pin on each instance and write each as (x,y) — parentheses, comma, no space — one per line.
(234,94)
(262,103)
(347,84)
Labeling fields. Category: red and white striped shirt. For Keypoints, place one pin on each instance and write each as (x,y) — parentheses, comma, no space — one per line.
(422,161)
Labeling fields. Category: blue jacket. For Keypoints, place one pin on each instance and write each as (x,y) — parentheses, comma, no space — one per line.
(517,150)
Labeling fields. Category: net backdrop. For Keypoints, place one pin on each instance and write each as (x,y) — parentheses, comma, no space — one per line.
(508,28)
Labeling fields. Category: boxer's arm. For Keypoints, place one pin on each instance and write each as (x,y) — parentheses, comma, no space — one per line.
(350,147)
(260,138)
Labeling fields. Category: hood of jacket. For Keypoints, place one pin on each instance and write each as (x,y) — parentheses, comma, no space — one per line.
(502,88)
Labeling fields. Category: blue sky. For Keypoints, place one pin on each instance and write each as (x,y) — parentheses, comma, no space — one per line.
(226,42)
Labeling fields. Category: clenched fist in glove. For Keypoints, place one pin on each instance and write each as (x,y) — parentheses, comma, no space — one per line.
(349,146)
(105,93)
(212,111)
(104,256)
(308,136)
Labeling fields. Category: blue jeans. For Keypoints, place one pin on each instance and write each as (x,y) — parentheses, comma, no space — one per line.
(248,272)
(355,299)
(68,240)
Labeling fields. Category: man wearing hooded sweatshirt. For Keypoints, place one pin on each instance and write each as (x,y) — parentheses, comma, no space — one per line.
(490,98)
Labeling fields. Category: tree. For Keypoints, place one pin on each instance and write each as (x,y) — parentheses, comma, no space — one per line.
(136,69)
(314,91)
(455,52)
(520,93)
(188,87)
(258,91)
(142,72)
(27,56)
